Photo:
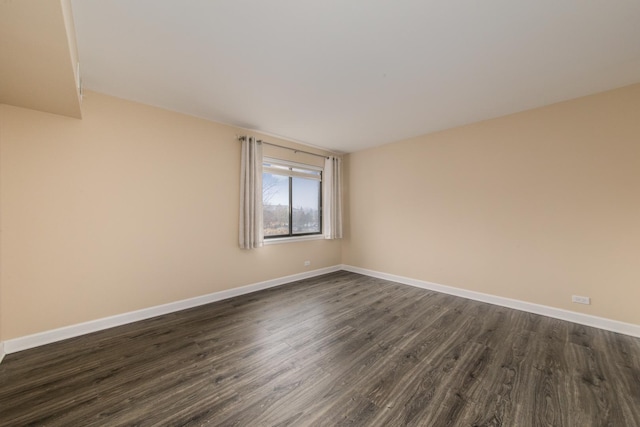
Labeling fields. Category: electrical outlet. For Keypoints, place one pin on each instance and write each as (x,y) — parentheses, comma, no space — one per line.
(307,263)
(580,300)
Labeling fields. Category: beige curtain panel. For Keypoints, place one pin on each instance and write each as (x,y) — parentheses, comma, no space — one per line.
(251,229)
(332,198)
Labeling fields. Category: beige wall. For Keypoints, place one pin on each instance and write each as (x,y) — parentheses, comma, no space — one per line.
(38,56)
(135,206)
(130,207)
(535,206)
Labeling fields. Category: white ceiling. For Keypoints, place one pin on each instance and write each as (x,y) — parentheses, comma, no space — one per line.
(346,75)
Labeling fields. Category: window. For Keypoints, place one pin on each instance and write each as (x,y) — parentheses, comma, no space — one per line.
(292,199)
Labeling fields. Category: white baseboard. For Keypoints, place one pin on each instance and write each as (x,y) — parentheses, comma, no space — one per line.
(47,337)
(557,313)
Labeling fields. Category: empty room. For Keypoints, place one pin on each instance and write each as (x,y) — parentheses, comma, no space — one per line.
(278,213)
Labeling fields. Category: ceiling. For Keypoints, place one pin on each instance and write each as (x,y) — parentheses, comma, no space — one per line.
(347,75)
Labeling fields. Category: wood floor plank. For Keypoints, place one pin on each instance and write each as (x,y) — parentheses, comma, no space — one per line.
(338,349)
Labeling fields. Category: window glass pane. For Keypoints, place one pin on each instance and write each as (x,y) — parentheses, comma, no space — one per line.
(306,206)
(275,198)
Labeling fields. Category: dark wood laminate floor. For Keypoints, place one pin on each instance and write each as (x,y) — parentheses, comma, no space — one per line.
(340,349)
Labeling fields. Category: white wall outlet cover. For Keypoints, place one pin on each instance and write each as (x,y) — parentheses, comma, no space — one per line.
(580,299)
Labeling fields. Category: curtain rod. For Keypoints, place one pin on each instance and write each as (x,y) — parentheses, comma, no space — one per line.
(295,150)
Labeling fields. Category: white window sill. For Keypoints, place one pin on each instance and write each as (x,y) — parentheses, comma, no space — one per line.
(278,240)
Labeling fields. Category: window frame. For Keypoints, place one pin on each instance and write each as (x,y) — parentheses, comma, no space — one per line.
(280,168)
